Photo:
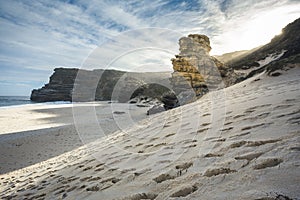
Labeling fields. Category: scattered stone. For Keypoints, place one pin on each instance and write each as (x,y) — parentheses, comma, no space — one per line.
(156,109)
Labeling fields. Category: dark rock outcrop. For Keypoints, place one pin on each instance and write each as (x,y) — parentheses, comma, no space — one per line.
(59,88)
(71,84)
(170,100)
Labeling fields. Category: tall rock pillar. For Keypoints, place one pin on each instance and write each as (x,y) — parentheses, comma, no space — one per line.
(195,71)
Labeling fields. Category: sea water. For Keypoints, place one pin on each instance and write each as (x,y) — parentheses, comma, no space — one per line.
(14,100)
(7,101)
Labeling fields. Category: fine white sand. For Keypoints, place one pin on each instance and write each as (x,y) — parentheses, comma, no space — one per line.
(30,134)
(237,143)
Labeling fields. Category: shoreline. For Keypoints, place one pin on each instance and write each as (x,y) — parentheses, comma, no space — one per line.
(36,103)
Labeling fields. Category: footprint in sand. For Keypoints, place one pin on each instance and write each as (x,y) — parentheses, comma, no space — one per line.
(210,155)
(169,135)
(249,157)
(252,143)
(218,171)
(269,162)
(251,127)
(140,196)
(294,120)
(185,191)
(238,116)
(163,177)
(226,129)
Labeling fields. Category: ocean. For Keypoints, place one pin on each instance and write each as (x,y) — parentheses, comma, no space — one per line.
(14,100)
(6,101)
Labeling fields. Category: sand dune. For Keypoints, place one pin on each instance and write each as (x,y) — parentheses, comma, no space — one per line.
(238,143)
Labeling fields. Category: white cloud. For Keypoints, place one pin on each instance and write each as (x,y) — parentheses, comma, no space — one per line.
(136,48)
(39,35)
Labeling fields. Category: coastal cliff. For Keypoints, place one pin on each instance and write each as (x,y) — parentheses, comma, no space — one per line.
(59,88)
(99,85)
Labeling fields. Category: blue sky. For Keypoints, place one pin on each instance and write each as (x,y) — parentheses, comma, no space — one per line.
(38,35)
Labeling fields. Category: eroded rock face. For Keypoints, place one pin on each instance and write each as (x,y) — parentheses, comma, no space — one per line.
(71,84)
(59,88)
(194,68)
(195,71)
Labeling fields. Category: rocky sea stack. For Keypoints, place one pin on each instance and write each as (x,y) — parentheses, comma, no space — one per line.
(196,72)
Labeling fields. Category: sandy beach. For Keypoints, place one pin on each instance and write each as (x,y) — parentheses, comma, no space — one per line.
(30,134)
(237,143)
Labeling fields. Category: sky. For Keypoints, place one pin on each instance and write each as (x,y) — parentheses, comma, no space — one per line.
(37,36)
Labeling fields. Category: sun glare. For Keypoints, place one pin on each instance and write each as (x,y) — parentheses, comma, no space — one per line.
(257,30)
(264,27)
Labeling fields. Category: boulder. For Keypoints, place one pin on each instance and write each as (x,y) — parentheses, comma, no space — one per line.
(156,109)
